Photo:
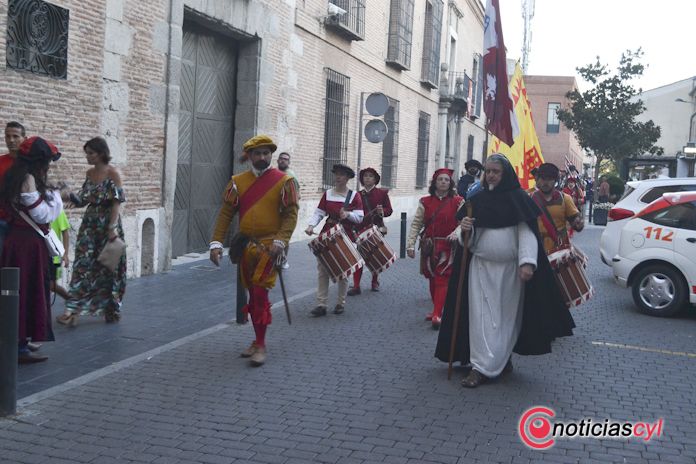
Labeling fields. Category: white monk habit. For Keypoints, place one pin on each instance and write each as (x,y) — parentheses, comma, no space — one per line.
(496,293)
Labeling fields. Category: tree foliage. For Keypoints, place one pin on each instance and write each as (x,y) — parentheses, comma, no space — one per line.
(603,117)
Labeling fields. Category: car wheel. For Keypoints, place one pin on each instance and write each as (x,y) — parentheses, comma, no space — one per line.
(659,290)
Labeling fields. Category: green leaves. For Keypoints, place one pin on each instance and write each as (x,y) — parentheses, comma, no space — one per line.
(603,117)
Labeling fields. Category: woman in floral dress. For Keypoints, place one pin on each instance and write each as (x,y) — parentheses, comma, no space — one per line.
(94,289)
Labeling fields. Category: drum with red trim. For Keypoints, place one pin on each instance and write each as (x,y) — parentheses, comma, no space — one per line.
(568,265)
(376,252)
(337,253)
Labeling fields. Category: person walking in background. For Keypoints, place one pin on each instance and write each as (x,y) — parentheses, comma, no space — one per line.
(589,197)
(437,227)
(31,202)
(266,201)
(603,191)
(284,166)
(15,134)
(473,171)
(376,206)
(61,226)
(94,289)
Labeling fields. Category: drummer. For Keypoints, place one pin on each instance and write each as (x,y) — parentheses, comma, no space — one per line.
(377,206)
(558,209)
(342,206)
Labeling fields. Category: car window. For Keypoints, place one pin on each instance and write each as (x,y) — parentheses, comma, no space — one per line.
(682,216)
(656,192)
(629,190)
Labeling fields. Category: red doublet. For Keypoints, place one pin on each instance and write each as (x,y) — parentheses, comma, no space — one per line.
(438,266)
(370,200)
(333,210)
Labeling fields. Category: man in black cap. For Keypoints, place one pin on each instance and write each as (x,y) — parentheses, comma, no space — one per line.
(342,206)
(558,208)
(473,170)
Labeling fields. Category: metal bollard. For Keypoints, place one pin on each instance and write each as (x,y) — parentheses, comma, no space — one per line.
(402,244)
(241,296)
(9,326)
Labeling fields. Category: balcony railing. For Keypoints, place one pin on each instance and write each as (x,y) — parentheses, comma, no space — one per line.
(350,24)
(456,86)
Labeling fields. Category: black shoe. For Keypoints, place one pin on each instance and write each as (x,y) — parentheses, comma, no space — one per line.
(30,358)
(339,309)
(354,291)
(318,311)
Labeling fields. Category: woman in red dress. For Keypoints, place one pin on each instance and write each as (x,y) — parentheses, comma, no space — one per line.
(437,226)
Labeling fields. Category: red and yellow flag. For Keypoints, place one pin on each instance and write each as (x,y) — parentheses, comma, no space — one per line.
(525,152)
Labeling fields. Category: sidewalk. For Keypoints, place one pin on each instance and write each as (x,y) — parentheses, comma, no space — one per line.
(157,310)
(361,387)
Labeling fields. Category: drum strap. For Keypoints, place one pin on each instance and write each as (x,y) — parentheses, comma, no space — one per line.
(546,218)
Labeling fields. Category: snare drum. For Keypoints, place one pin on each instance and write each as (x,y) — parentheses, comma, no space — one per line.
(569,270)
(336,253)
(376,252)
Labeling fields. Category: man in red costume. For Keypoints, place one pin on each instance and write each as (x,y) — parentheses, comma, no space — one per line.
(437,226)
(376,206)
(266,200)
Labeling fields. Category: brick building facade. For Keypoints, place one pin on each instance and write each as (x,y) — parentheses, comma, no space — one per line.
(547,94)
(176,87)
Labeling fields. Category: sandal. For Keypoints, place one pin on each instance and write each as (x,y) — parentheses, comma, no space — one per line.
(474,379)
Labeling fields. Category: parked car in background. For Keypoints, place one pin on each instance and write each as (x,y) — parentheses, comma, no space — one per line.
(657,255)
(636,196)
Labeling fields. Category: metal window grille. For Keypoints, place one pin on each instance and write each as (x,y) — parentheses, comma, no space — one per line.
(352,23)
(477,77)
(430,72)
(423,146)
(37,38)
(400,33)
(336,123)
(470,148)
(390,145)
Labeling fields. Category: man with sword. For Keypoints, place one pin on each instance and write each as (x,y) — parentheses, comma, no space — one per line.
(266,200)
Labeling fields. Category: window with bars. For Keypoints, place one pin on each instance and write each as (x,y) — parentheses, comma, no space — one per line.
(351,24)
(477,78)
(553,125)
(37,38)
(423,146)
(336,123)
(390,145)
(430,72)
(400,33)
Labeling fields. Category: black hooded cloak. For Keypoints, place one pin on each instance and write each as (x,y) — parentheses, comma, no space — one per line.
(544,313)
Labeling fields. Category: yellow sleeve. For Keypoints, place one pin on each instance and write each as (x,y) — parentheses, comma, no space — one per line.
(229,208)
(289,209)
(416,226)
(570,210)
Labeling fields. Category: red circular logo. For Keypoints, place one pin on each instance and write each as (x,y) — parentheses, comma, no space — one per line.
(535,427)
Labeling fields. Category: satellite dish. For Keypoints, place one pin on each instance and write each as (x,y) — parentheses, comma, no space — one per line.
(375,130)
(377,104)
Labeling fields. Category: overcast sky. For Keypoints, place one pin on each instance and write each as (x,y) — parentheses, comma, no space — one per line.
(568,33)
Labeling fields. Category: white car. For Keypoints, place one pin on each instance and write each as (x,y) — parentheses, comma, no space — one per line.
(636,197)
(657,255)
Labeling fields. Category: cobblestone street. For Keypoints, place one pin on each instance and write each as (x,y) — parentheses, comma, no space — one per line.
(167,385)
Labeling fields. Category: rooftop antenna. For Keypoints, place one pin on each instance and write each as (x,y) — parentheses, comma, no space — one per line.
(527,15)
